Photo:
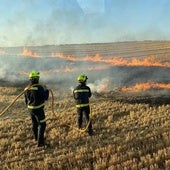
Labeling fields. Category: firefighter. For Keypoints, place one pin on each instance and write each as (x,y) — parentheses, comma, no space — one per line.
(35,97)
(81,94)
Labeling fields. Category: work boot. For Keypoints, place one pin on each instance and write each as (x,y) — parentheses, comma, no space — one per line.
(79,126)
(44,145)
(90,132)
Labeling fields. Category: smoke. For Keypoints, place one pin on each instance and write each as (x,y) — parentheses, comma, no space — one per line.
(100,85)
(60,72)
(74,22)
(2,73)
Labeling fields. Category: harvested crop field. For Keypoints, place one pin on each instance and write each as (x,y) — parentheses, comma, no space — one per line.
(131,118)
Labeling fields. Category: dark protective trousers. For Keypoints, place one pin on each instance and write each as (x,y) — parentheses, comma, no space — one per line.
(86,112)
(38,124)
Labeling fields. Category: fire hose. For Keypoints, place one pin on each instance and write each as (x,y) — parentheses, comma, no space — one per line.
(81,130)
(52,109)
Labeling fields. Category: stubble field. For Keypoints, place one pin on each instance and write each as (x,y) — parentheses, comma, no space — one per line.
(131,132)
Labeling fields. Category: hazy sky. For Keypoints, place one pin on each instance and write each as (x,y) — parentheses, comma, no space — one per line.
(41,22)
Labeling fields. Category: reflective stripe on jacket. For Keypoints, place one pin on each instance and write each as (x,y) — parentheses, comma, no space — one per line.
(35,96)
(42,121)
(82,105)
(81,90)
(82,93)
(36,107)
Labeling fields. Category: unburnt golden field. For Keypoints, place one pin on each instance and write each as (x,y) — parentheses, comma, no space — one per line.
(127,136)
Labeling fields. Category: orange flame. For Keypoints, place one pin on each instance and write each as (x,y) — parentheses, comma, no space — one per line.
(61,56)
(117,61)
(28,53)
(146,86)
(96,58)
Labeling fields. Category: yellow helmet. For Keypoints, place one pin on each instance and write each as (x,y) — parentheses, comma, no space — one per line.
(82,78)
(34,74)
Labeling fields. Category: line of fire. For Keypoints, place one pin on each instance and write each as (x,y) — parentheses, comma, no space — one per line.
(125,74)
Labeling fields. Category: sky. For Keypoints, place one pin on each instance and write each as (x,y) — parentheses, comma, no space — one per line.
(54,22)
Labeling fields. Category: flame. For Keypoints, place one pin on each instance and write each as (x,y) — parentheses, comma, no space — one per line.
(146,61)
(117,61)
(28,53)
(96,58)
(146,86)
(61,56)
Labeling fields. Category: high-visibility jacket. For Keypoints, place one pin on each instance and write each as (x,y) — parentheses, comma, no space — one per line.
(35,96)
(81,94)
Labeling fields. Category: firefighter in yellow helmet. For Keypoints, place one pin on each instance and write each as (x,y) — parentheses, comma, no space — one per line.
(35,97)
(81,94)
